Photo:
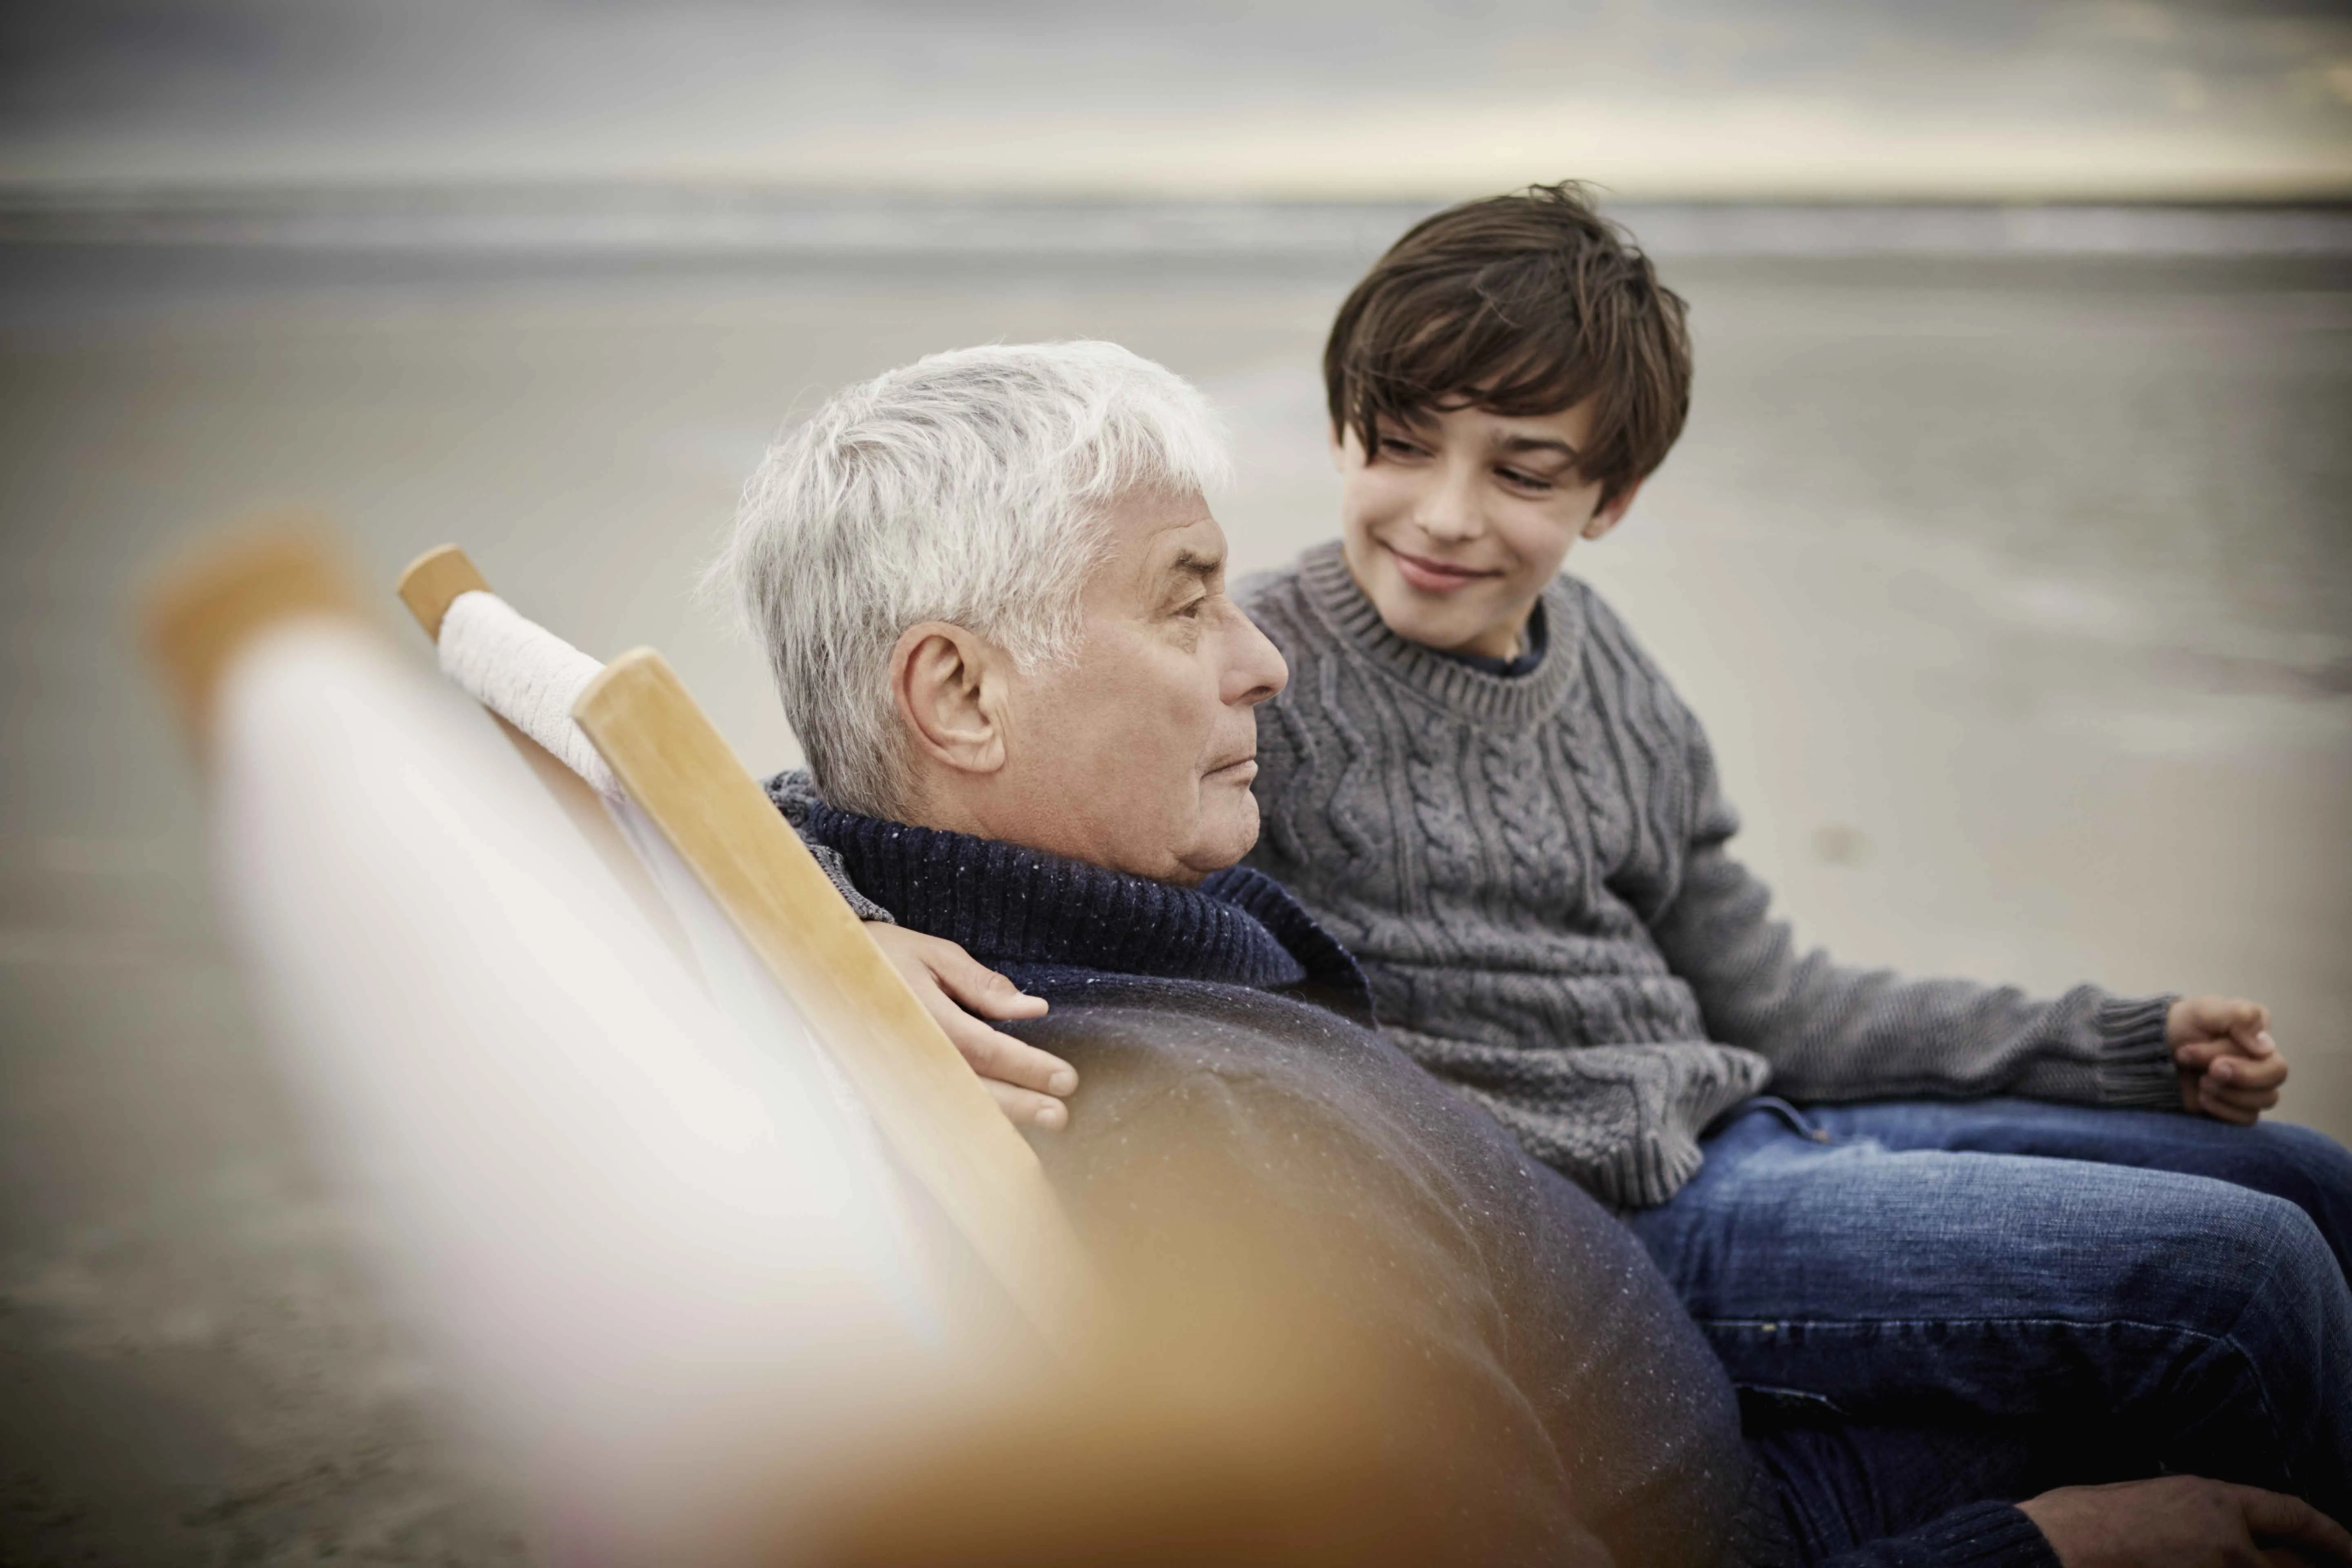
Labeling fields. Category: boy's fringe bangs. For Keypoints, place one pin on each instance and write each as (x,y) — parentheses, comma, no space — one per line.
(1521,305)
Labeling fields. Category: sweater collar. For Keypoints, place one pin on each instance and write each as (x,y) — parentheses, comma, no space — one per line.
(1512,701)
(1007,905)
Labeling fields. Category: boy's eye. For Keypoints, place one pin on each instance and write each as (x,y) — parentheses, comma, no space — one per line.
(1522,480)
(1398,447)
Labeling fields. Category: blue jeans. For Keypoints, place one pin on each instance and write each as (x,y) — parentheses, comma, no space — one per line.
(1844,1484)
(2159,1288)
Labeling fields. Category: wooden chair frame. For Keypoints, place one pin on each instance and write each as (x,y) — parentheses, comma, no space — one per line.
(942,1125)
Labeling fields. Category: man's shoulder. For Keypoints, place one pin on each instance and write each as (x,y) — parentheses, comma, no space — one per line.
(1136,1040)
(1197,1062)
(1215,1026)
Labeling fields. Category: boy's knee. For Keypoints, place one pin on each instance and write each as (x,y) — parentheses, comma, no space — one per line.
(2310,1156)
(2267,1255)
(2211,1248)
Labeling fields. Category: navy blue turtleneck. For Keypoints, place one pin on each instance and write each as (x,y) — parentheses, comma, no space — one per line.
(1039,918)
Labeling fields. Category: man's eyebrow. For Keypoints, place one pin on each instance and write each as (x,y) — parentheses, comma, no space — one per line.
(1197,564)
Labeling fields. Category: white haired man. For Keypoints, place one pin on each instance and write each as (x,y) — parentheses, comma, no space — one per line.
(992,590)
(952,560)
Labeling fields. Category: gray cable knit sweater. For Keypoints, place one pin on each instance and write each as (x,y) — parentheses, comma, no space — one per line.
(1533,871)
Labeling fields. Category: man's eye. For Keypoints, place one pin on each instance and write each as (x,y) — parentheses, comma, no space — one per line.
(1191,608)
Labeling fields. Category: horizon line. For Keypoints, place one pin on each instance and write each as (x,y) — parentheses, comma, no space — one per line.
(122,192)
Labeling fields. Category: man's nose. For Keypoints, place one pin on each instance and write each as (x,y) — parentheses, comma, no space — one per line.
(1254,668)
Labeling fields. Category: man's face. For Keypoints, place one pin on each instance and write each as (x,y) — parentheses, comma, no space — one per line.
(1138,756)
(1454,525)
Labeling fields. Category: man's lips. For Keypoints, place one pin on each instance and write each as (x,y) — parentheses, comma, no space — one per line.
(1434,576)
(1241,770)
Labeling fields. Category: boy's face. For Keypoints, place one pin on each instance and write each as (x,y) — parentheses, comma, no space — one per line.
(1455,524)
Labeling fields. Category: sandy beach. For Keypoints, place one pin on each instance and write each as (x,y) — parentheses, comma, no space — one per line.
(2016,593)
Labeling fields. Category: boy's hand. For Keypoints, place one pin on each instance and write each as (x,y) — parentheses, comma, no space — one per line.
(2229,1067)
(953,986)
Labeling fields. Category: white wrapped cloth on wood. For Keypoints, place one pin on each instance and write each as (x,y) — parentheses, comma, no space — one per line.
(525,674)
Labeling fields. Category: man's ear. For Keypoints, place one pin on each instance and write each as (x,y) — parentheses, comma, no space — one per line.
(1611,512)
(948,687)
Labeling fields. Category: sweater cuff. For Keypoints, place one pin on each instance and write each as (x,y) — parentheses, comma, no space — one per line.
(1981,1535)
(2136,1066)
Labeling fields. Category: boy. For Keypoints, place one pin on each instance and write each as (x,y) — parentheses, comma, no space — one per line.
(1481,785)
(1500,387)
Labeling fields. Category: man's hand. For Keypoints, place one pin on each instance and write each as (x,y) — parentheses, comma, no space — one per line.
(958,991)
(2229,1067)
(2184,1522)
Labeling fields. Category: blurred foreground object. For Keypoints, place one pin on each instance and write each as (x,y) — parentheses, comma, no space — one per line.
(1148,1479)
(207,613)
(668,1252)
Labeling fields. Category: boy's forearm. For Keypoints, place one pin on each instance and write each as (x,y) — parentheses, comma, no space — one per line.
(1836,1033)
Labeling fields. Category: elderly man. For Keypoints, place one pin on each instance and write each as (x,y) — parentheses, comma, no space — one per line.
(994,599)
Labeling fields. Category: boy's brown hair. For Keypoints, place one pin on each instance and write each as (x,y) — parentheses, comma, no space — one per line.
(1522,304)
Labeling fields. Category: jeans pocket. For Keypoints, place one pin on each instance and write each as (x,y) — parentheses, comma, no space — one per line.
(1765,1407)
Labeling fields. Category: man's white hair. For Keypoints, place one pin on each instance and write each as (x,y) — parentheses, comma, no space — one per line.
(970,486)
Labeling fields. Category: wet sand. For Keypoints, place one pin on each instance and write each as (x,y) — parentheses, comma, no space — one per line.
(2017,596)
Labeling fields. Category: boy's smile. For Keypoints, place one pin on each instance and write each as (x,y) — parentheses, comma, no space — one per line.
(1435,577)
(1456,524)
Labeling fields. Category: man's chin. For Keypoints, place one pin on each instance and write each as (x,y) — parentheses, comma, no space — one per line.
(1228,832)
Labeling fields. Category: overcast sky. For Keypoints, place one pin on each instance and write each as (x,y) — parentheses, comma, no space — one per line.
(1956,98)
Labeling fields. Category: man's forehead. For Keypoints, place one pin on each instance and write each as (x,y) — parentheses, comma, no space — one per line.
(1167,533)
(1155,539)
(1199,543)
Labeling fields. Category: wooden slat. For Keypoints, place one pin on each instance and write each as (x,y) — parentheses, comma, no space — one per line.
(430,585)
(199,614)
(433,580)
(944,1126)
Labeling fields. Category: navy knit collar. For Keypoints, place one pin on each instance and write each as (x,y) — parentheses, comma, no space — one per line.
(1012,907)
